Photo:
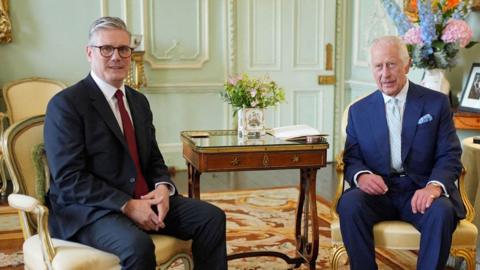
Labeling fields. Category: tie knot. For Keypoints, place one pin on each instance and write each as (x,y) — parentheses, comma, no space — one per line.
(394,101)
(119,94)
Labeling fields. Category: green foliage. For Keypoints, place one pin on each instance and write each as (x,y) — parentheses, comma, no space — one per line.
(244,92)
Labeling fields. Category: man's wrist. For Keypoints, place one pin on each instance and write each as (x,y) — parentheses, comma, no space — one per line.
(438,188)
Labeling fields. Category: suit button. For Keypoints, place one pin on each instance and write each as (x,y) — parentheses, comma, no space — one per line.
(132,180)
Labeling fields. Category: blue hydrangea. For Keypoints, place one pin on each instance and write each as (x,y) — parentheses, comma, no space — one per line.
(399,19)
(427,22)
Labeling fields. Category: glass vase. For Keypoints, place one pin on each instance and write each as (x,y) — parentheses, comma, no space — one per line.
(435,79)
(251,122)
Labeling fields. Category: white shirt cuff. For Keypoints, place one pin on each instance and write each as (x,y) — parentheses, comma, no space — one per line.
(357,174)
(170,187)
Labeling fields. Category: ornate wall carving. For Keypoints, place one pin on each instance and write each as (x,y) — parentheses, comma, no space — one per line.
(5,23)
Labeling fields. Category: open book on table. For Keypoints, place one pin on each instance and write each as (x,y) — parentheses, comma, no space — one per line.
(297,133)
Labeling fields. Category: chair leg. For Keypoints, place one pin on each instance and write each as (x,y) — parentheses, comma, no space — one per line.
(468,254)
(338,250)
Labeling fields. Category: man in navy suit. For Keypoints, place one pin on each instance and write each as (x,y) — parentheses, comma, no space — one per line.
(405,171)
(103,193)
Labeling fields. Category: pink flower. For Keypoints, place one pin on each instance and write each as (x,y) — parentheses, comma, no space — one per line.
(234,80)
(457,31)
(413,36)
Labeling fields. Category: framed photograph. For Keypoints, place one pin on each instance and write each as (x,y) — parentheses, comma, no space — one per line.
(470,100)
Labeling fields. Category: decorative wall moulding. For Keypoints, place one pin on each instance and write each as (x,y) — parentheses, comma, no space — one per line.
(5,23)
(166,48)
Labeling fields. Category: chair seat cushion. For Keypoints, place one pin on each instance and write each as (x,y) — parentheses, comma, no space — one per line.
(72,255)
(69,256)
(402,235)
(167,246)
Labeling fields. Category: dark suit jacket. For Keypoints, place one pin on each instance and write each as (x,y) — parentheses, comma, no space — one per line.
(92,173)
(430,150)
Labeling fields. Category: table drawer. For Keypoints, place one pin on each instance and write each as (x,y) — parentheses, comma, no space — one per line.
(264,160)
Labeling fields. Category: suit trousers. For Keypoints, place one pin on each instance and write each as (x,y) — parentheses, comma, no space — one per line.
(186,219)
(359,212)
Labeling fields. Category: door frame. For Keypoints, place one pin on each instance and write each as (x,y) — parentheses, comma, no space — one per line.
(340,54)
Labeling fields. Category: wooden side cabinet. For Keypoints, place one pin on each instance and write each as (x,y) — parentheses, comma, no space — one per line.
(467,120)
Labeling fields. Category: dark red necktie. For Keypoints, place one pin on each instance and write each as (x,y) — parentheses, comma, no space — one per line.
(141,187)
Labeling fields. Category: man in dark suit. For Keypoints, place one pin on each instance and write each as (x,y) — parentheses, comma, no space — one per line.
(109,183)
(402,158)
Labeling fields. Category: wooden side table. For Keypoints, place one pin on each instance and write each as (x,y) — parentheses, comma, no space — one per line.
(222,150)
(466,120)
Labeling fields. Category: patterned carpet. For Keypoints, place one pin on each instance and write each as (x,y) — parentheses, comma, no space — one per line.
(264,220)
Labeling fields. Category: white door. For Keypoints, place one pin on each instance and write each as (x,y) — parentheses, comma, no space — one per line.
(292,42)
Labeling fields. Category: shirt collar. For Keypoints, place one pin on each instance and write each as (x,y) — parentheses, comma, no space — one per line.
(401,96)
(107,89)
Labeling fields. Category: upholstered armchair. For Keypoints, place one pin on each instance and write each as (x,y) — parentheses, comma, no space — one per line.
(27,166)
(402,235)
(24,98)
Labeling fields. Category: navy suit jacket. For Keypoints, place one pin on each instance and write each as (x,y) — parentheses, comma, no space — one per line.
(430,150)
(92,173)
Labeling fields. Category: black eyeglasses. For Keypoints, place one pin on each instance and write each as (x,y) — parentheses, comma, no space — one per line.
(107,50)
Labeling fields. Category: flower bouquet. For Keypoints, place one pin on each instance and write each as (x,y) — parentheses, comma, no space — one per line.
(249,97)
(243,92)
(434,31)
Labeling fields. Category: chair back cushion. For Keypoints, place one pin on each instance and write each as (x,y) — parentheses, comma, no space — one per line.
(29,97)
(18,143)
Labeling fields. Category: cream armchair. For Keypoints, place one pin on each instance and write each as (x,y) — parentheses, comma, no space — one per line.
(402,235)
(25,98)
(39,249)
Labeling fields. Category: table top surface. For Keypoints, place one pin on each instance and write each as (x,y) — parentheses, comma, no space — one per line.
(217,140)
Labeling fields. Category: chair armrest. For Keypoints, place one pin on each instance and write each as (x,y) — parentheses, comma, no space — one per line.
(23,202)
(340,184)
(28,204)
(468,205)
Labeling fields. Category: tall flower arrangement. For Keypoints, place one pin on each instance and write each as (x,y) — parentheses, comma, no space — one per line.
(434,31)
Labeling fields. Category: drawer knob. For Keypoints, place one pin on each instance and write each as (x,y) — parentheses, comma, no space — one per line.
(235,161)
(295,159)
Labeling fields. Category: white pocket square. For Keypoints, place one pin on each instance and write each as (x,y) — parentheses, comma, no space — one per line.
(424,119)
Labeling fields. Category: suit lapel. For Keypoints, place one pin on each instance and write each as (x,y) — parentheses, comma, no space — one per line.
(413,109)
(103,108)
(379,126)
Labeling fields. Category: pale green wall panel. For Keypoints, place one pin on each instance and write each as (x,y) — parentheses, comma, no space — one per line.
(49,39)
(185,111)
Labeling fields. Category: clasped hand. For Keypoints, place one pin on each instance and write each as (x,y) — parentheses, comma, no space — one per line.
(140,210)
(373,184)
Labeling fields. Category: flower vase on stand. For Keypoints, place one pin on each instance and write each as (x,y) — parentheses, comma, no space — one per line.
(251,123)
(435,79)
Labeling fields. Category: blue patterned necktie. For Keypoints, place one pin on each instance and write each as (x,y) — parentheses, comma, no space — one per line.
(394,121)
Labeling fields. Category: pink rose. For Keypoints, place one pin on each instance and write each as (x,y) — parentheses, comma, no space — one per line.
(457,31)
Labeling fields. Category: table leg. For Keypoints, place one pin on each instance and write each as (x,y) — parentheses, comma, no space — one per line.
(306,223)
(193,182)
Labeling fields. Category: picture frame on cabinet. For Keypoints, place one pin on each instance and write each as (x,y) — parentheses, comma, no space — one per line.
(470,100)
